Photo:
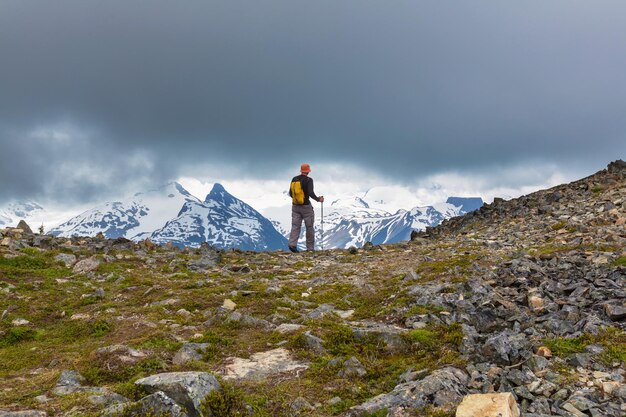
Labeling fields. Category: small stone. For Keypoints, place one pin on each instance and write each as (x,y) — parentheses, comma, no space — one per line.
(288,328)
(569,407)
(313,342)
(352,368)
(544,351)
(189,352)
(610,387)
(615,312)
(300,404)
(229,304)
(536,303)
(334,401)
(20,322)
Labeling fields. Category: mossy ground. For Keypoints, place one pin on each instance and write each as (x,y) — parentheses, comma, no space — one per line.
(155,306)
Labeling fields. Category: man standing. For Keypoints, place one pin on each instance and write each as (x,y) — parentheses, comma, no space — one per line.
(301,192)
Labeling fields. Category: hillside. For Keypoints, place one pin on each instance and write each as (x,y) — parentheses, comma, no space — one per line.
(524,296)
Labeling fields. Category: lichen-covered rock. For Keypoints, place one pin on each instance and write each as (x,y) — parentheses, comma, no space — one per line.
(86,265)
(443,388)
(156,404)
(188,389)
(66,258)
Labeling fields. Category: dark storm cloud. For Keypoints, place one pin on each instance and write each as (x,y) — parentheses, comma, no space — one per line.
(404,88)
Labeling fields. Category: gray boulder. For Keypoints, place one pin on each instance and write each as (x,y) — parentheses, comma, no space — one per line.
(67,258)
(443,388)
(188,389)
(24,226)
(208,260)
(507,348)
(86,265)
(157,404)
(352,368)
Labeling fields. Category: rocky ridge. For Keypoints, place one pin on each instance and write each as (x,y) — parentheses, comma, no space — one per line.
(525,297)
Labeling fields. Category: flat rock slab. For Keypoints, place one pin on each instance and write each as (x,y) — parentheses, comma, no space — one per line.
(488,405)
(263,364)
(288,328)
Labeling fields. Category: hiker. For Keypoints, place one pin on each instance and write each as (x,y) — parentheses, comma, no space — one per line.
(301,191)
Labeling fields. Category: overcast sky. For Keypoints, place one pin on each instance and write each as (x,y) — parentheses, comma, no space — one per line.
(100,97)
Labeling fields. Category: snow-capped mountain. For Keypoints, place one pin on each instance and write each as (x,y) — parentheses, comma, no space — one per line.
(134,218)
(172,214)
(223,221)
(23,210)
(352,222)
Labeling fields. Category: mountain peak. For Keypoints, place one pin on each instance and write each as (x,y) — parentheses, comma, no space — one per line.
(218,193)
(217,188)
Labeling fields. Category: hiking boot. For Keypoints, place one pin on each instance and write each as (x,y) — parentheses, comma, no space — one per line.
(293,249)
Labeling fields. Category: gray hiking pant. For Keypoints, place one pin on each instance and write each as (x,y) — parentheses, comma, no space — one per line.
(298,213)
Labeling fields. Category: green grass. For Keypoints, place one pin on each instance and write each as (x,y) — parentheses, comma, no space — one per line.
(17,335)
(456,267)
(613,340)
(620,261)
(227,402)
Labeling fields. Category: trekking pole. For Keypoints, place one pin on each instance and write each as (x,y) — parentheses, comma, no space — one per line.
(322,240)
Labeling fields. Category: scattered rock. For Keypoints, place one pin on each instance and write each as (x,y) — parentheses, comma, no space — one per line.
(229,305)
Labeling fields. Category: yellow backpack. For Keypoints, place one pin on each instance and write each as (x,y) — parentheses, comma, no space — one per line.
(297,194)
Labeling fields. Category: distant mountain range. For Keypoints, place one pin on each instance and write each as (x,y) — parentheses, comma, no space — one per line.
(352,222)
(171,214)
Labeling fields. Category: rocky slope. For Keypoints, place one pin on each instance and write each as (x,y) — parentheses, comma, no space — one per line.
(525,297)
